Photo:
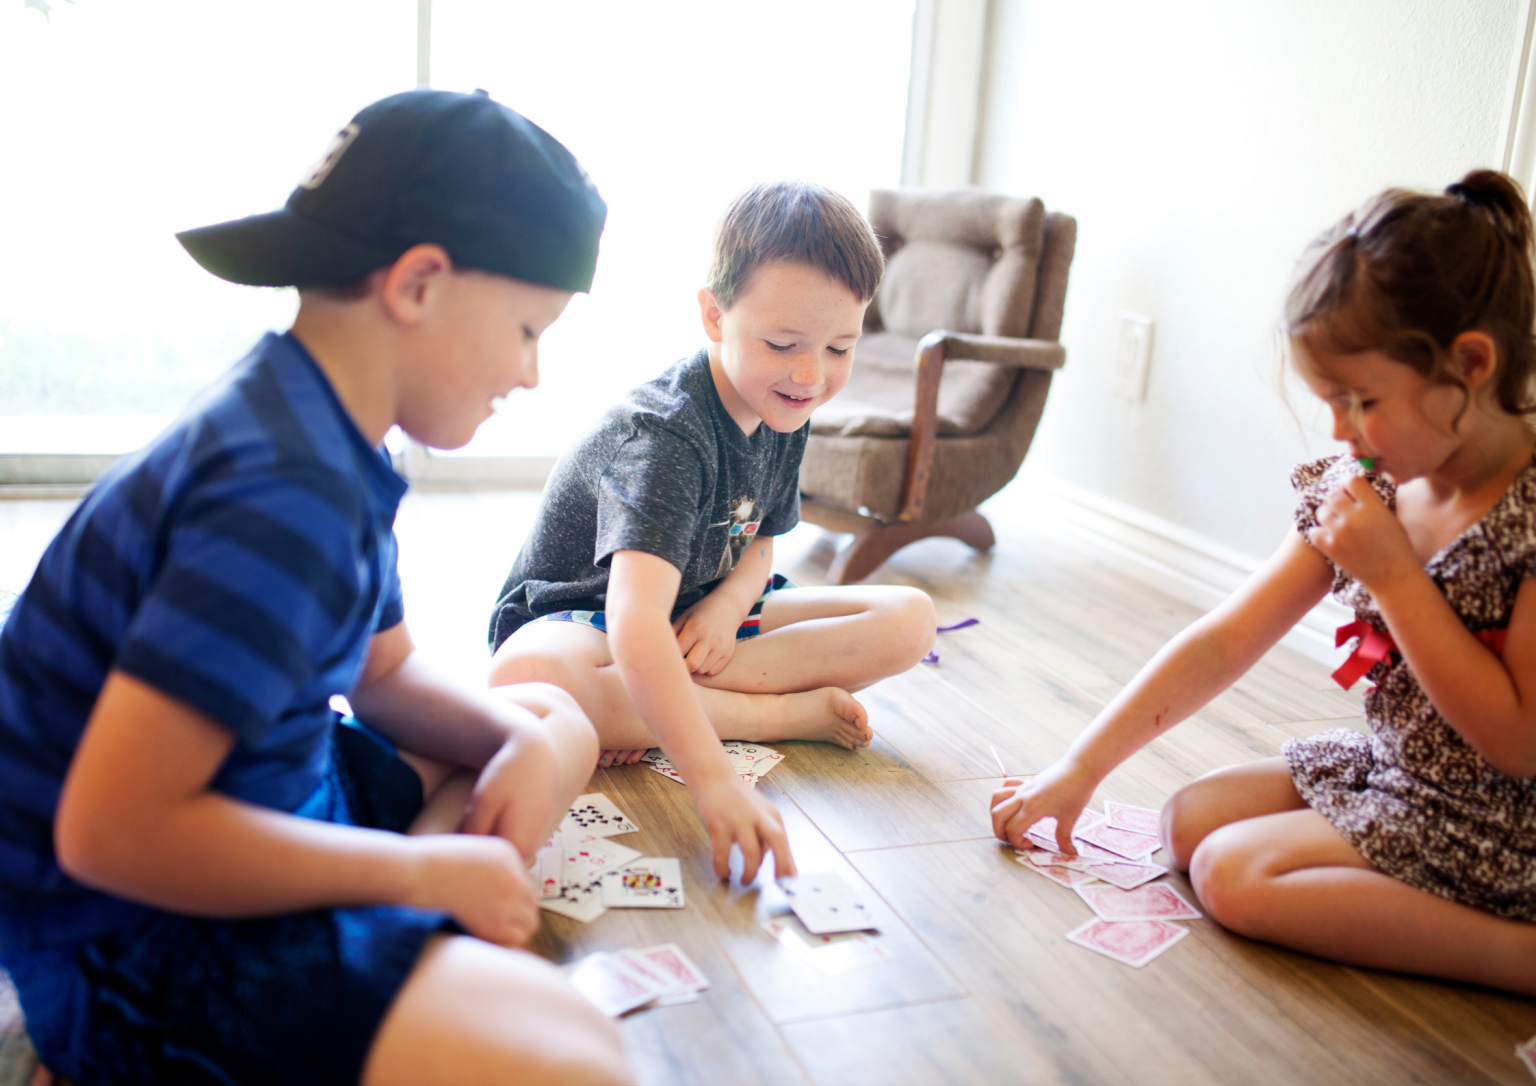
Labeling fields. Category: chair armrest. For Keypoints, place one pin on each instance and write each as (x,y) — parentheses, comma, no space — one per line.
(933,350)
(1034,354)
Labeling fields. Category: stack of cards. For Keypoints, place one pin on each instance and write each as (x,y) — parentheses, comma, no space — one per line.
(622,981)
(752,761)
(1110,873)
(826,923)
(570,869)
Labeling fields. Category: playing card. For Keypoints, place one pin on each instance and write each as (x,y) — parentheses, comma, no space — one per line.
(595,814)
(547,866)
(655,882)
(752,757)
(825,903)
(584,902)
(670,965)
(1042,858)
(612,983)
(831,955)
(1132,846)
(1062,876)
(667,769)
(652,755)
(586,858)
(1135,943)
(1122,816)
(1125,876)
(1527,1054)
(1159,902)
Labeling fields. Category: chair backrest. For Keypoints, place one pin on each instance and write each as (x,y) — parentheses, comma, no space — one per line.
(966,261)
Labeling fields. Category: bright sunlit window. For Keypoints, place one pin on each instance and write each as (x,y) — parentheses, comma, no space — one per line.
(124,123)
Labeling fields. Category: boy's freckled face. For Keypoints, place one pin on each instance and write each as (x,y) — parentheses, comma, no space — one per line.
(785,347)
(1387,410)
(479,343)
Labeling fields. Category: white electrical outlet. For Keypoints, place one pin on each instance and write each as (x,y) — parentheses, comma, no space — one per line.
(1134,356)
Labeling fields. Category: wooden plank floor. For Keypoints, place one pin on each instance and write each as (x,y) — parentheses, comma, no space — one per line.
(981,985)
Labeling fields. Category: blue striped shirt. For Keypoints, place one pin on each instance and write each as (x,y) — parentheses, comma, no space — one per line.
(240,564)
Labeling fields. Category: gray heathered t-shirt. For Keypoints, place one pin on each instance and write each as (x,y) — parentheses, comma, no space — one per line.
(667,471)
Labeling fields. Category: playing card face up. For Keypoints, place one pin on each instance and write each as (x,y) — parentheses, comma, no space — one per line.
(596,815)
(546,868)
(1135,943)
(750,761)
(585,859)
(1160,902)
(831,955)
(583,902)
(1122,816)
(613,984)
(651,883)
(825,903)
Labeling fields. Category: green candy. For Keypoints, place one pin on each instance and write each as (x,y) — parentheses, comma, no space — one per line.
(1367,462)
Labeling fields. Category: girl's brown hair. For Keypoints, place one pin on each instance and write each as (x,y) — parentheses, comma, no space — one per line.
(1408,272)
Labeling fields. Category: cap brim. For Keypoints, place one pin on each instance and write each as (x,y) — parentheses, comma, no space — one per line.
(282,249)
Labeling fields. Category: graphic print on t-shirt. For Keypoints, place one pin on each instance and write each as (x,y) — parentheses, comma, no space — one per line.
(745,518)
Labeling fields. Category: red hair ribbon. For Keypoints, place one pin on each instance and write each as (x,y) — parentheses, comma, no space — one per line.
(1375,646)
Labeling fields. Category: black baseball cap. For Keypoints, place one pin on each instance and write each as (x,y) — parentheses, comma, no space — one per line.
(458,170)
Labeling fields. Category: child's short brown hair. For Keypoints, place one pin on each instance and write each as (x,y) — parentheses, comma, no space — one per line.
(799,222)
(1409,271)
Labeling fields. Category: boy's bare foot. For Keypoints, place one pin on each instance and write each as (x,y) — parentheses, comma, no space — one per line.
(620,757)
(828,715)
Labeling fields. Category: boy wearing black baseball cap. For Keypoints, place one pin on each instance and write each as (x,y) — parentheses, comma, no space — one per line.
(203,873)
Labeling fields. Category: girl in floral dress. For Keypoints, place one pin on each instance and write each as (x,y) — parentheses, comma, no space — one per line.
(1412,848)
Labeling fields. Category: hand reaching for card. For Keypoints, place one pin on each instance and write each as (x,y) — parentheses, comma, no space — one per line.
(1061,792)
(734,814)
(481,881)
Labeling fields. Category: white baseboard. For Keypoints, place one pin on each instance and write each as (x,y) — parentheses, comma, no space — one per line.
(1185,564)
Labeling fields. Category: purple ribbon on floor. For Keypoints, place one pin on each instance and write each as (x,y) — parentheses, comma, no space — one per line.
(933,657)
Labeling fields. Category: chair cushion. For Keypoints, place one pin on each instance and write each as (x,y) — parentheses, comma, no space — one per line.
(959,260)
(877,401)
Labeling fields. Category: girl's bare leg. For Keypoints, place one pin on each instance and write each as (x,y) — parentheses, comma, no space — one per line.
(1267,866)
(471,1012)
(790,682)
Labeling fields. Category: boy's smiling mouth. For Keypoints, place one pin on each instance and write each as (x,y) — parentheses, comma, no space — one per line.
(796,400)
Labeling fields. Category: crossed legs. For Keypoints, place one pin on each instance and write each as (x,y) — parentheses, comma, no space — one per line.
(792,681)
(1269,867)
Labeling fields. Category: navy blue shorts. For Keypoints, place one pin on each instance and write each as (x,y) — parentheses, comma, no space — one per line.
(290,999)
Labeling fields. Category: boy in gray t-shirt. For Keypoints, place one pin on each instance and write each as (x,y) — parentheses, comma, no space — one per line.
(646,587)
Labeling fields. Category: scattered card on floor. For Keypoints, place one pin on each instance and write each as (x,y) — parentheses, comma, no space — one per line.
(1126,876)
(612,983)
(831,955)
(1070,877)
(655,882)
(825,903)
(1527,1054)
(547,867)
(1158,902)
(585,859)
(1135,943)
(1132,846)
(595,814)
(583,902)
(1122,816)
(670,966)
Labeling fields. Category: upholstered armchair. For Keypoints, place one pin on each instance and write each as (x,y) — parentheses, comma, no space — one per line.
(950,378)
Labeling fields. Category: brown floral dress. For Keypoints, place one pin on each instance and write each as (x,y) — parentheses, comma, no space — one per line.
(1414,797)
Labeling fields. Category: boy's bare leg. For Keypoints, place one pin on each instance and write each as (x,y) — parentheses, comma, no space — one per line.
(1271,868)
(790,682)
(471,1012)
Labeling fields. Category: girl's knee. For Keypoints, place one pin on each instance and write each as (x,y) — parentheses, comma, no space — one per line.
(1182,826)
(1228,878)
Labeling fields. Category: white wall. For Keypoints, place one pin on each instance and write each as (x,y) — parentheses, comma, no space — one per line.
(1201,143)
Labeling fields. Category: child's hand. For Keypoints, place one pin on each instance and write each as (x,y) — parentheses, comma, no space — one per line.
(1357,531)
(734,814)
(481,881)
(1060,792)
(706,634)
(515,792)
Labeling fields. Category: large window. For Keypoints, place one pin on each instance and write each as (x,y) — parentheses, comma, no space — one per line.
(125,123)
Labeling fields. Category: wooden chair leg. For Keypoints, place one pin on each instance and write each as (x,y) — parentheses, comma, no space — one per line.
(871,547)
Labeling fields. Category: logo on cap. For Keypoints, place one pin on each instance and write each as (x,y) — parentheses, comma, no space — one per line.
(338,146)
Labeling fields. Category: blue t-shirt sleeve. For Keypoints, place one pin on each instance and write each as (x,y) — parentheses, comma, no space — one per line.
(649,497)
(260,581)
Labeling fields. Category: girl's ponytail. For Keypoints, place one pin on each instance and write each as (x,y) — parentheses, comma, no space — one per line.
(1408,272)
